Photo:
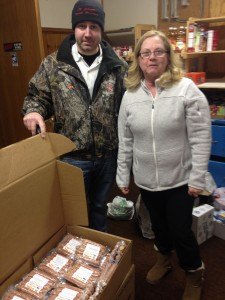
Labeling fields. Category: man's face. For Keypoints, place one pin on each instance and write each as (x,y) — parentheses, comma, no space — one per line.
(88,36)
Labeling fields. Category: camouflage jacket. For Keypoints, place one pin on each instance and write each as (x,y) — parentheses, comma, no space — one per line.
(58,88)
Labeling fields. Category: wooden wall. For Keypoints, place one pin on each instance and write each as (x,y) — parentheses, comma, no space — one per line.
(19,22)
(53,37)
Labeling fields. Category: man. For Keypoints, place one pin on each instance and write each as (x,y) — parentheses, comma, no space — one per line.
(81,84)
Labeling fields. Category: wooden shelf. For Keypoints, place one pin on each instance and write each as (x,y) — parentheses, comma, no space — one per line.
(212,85)
(207,20)
(186,55)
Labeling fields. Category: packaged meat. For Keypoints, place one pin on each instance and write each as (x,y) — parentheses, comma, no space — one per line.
(64,291)
(69,245)
(91,252)
(112,262)
(13,294)
(56,264)
(36,283)
(82,274)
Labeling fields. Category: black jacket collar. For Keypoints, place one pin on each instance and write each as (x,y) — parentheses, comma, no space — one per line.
(110,59)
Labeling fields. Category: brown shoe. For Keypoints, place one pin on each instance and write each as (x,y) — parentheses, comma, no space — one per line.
(160,269)
(193,286)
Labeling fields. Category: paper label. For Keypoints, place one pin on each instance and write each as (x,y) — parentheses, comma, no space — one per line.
(67,294)
(17,298)
(91,251)
(36,283)
(57,263)
(82,274)
(71,246)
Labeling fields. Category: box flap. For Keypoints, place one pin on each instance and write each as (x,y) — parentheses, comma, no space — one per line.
(73,194)
(31,204)
(23,157)
(31,212)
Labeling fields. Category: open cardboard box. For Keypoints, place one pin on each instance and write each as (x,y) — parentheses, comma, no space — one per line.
(42,198)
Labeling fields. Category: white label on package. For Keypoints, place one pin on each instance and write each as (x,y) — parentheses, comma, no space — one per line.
(71,246)
(17,298)
(82,274)
(57,263)
(67,294)
(36,283)
(91,251)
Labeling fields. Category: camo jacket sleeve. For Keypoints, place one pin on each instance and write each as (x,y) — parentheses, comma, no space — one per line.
(39,98)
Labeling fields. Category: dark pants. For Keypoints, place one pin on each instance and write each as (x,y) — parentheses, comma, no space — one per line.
(171,216)
(99,174)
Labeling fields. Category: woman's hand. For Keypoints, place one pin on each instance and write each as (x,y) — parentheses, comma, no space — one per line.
(193,192)
(124,190)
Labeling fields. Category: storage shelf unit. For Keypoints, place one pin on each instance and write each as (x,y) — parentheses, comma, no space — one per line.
(212,88)
(200,58)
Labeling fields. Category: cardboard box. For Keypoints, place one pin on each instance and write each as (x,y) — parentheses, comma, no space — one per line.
(127,288)
(219,229)
(202,224)
(197,77)
(42,198)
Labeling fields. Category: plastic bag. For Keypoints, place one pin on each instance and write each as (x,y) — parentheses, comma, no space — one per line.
(210,185)
(219,198)
(120,209)
(144,219)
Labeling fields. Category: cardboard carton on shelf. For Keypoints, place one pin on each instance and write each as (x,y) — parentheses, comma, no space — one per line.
(41,199)
(197,77)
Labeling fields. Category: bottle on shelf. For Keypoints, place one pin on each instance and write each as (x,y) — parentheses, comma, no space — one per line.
(202,38)
(181,39)
(191,37)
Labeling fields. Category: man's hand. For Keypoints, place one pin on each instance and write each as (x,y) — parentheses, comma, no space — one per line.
(32,120)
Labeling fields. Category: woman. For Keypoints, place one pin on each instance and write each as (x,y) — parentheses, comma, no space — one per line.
(165,136)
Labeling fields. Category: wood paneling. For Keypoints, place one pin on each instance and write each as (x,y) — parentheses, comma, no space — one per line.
(19,22)
(217,8)
(53,37)
(196,8)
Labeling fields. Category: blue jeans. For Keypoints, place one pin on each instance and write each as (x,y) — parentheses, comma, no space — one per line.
(99,175)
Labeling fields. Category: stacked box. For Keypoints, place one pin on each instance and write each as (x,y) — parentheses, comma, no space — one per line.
(202,224)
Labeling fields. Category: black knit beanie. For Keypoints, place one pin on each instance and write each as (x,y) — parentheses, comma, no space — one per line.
(88,10)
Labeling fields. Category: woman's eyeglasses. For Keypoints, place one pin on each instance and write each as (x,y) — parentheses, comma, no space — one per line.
(156,53)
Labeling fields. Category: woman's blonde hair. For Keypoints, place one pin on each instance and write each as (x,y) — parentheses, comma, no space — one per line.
(173,71)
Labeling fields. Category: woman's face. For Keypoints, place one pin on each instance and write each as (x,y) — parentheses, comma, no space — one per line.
(153,66)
